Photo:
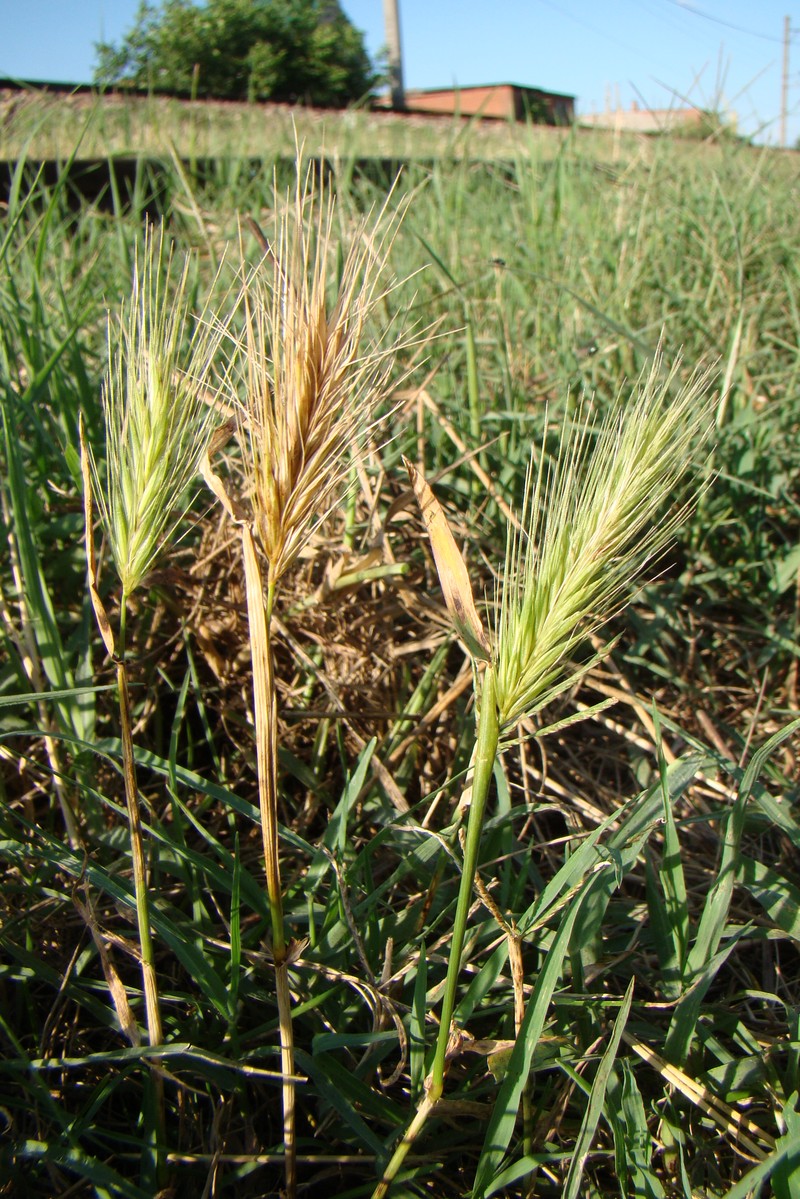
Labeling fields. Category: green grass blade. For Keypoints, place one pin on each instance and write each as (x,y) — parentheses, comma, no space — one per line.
(60,857)
(671,875)
(35,697)
(782,1166)
(633,1144)
(82,1165)
(711,928)
(37,597)
(504,1113)
(776,894)
(641,815)
(236,938)
(335,1088)
(597,1098)
(417,1026)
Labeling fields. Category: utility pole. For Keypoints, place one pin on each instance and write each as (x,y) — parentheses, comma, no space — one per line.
(785,80)
(391,18)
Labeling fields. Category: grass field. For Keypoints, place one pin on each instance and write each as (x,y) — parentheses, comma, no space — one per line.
(48,126)
(627,1004)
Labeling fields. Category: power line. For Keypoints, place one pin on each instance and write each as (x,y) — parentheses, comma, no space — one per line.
(597,30)
(698,12)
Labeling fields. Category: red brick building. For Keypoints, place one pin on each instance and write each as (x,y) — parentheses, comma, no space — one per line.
(498,101)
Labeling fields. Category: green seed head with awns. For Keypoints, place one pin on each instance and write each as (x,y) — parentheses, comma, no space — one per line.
(591,519)
(158,421)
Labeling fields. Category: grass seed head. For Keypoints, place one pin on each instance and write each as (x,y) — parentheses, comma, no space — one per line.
(592,518)
(157,420)
(313,379)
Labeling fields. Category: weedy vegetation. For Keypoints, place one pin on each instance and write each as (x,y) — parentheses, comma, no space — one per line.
(399,682)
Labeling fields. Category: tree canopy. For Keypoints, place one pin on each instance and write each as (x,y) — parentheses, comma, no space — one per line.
(285,50)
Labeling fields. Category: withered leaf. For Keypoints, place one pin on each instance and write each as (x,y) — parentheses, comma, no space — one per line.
(451,568)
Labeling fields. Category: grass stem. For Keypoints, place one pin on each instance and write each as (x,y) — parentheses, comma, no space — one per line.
(486,753)
(265,703)
(152,1007)
(155,1033)
(485,756)
(424,1110)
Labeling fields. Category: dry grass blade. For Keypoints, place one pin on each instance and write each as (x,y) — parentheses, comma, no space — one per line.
(450,565)
(119,995)
(748,1134)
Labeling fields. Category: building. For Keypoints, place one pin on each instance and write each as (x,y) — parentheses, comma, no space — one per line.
(650,120)
(497,101)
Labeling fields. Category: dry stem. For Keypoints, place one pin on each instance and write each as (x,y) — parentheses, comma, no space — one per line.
(266,726)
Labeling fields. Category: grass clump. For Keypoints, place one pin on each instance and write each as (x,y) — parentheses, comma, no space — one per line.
(617,1009)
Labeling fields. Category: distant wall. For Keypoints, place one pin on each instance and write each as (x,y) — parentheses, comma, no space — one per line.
(645,120)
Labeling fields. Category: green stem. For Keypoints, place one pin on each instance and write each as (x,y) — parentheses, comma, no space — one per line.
(486,753)
(153,1012)
(155,1034)
(401,1152)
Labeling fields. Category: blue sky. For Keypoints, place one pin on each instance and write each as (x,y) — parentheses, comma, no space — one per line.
(658,52)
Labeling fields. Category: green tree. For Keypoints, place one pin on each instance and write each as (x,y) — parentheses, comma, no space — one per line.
(286,50)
